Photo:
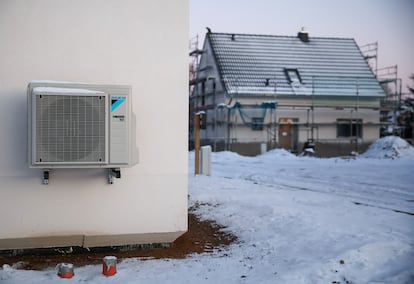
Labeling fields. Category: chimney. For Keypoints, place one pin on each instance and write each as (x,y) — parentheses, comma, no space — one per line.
(303,35)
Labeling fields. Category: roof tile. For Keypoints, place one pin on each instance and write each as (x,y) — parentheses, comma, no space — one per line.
(327,66)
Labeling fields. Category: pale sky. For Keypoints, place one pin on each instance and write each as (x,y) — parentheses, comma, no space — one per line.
(388,22)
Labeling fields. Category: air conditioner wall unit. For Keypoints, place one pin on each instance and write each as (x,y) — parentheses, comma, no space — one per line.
(76,125)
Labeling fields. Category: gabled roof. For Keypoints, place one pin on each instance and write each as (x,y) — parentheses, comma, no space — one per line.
(265,64)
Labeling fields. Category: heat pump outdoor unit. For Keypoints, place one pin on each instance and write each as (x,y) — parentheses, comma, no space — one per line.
(76,125)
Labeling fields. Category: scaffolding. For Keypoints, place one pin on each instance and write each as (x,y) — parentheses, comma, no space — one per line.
(391,106)
(386,76)
(234,119)
(194,61)
(275,121)
(370,53)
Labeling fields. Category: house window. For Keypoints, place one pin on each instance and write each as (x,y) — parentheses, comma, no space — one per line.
(349,128)
(293,76)
(202,92)
(203,87)
(257,123)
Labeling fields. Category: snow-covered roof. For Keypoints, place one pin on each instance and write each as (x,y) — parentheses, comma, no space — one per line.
(266,64)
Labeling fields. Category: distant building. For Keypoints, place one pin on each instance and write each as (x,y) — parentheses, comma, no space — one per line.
(263,91)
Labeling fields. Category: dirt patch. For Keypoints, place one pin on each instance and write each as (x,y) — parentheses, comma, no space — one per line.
(202,237)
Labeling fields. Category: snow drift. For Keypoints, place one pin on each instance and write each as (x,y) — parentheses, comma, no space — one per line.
(389,147)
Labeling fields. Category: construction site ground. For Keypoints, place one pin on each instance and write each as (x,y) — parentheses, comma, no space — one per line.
(201,237)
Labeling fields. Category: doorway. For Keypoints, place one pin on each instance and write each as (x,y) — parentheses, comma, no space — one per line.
(288,134)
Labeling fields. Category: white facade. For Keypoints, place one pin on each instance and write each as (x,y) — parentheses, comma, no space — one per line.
(138,43)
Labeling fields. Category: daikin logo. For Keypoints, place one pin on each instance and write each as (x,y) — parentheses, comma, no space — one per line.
(116,101)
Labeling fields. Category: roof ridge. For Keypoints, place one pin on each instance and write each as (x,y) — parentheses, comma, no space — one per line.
(279,36)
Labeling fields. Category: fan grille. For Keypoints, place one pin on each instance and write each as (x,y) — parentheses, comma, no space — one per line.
(70,129)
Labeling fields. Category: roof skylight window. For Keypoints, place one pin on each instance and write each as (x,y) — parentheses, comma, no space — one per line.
(293,76)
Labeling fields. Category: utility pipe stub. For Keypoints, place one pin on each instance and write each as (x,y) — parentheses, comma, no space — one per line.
(109,265)
(65,270)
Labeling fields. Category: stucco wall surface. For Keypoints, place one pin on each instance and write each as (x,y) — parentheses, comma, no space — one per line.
(138,43)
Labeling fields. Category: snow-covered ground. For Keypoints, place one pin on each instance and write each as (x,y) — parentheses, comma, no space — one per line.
(298,220)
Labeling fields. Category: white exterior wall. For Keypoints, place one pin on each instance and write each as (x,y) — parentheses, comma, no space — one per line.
(369,117)
(322,115)
(138,43)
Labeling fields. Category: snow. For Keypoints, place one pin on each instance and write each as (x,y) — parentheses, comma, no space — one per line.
(390,147)
(110,258)
(65,266)
(55,82)
(297,219)
(64,90)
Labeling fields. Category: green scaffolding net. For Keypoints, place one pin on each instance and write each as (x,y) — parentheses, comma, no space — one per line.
(253,116)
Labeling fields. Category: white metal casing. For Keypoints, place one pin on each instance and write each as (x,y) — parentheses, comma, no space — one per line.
(77,125)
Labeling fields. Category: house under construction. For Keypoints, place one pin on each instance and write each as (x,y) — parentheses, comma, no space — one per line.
(261,92)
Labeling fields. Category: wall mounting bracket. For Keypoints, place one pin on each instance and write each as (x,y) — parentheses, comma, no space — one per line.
(46,176)
(113,172)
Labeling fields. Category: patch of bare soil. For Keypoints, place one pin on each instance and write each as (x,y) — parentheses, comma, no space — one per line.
(201,237)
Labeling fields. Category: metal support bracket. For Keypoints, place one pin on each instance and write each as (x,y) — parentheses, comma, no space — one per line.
(113,172)
(46,177)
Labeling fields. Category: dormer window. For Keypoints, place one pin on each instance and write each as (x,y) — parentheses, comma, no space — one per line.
(293,76)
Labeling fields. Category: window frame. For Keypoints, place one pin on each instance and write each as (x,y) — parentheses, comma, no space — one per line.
(349,128)
(295,71)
